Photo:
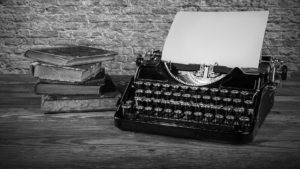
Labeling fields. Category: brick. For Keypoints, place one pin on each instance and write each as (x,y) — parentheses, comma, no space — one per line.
(275,42)
(270,51)
(107,42)
(100,10)
(85,42)
(40,26)
(289,3)
(96,34)
(111,65)
(286,51)
(73,18)
(94,19)
(52,10)
(6,34)
(273,35)
(72,26)
(290,35)
(274,19)
(22,33)
(291,19)
(144,3)
(18,10)
(6,18)
(273,27)
(77,34)
(148,18)
(168,18)
(129,66)
(69,2)
(14,2)
(21,18)
(65,34)
(43,2)
(43,34)
(292,43)
(62,41)
(121,58)
(123,3)
(48,18)
(137,10)
(40,41)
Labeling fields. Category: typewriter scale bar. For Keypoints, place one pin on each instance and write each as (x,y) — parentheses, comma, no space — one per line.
(155,103)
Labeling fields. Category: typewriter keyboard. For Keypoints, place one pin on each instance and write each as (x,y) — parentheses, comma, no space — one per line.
(196,107)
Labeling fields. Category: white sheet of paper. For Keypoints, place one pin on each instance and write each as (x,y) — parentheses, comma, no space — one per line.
(232,39)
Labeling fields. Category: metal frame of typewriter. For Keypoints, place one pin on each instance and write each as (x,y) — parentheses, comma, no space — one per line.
(264,81)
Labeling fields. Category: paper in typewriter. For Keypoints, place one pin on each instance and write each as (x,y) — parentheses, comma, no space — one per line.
(232,39)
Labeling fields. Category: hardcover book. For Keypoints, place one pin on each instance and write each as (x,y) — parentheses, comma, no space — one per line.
(70,56)
(79,73)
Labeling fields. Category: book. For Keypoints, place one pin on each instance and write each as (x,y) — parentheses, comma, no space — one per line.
(79,73)
(76,103)
(70,56)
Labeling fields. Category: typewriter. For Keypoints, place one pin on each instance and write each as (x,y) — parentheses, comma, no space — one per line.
(198,101)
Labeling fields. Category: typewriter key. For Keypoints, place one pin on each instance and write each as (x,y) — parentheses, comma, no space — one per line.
(148,93)
(238,111)
(229,119)
(203,90)
(196,98)
(177,114)
(157,112)
(165,87)
(138,84)
(244,122)
(168,113)
(244,95)
(195,106)
(186,105)
(224,92)
(139,109)
(234,93)
(208,117)
(186,97)
(129,102)
(193,90)
(214,91)
(237,102)
(167,95)
(138,100)
(198,116)
(217,100)
(248,103)
(157,94)
(156,102)
(165,103)
(184,89)
(176,96)
(175,104)
(227,101)
(156,86)
(217,108)
(187,115)
(227,110)
(206,99)
(219,118)
(139,92)
(148,101)
(126,109)
(147,85)
(148,110)
(175,88)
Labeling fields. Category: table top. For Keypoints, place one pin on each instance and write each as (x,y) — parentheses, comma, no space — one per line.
(31,139)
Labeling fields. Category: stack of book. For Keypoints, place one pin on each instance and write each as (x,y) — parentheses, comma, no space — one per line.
(71,79)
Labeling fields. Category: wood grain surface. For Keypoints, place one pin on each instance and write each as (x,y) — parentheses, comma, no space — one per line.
(31,139)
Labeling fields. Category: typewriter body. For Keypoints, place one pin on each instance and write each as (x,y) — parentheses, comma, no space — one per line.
(198,101)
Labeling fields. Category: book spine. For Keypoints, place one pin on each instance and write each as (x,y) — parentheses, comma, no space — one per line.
(74,105)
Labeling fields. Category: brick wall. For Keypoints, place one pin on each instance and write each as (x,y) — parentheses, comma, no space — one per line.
(128,27)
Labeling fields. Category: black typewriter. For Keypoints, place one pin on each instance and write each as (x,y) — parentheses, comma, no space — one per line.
(230,106)
(204,101)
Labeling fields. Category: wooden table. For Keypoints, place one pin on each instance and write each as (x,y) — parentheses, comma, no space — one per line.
(31,139)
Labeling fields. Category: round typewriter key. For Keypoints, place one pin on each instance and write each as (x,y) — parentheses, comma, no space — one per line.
(186,97)
(167,95)
(147,85)
(248,103)
(175,104)
(234,93)
(244,95)
(139,110)
(165,103)
(156,102)
(196,98)
(214,91)
(148,93)
(175,88)
(217,100)
(227,101)
(168,113)
(193,90)
(187,115)
(244,122)
(148,110)
(129,102)
(227,109)
(147,101)
(186,105)
(219,118)
(138,84)
(237,102)
(216,108)
(126,109)
(156,86)
(157,94)
(165,87)
(206,98)
(229,119)
(177,114)
(184,89)
(198,116)
(177,96)
(224,92)
(157,112)
(138,100)
(139,92)
(238,111)
(195,106)
(208,117)
(203,90)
